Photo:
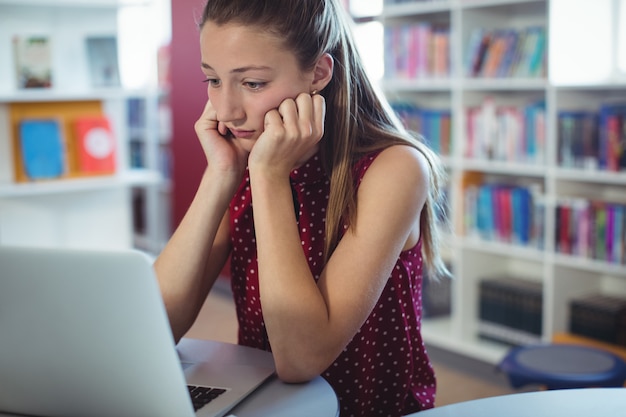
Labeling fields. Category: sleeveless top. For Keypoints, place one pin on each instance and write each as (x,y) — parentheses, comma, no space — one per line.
(384,370)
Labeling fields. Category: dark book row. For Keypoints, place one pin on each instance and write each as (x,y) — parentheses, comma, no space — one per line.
(593,140)
(436,297)
(510,309)
(600,317)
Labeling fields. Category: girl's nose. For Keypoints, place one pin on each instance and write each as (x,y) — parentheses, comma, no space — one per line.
(230,108)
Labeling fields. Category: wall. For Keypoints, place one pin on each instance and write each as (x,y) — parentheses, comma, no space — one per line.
(188,96)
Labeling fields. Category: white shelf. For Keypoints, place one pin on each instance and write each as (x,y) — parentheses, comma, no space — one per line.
(590,265)
(75,3)
(98,211)
(75,185)
(504,249)
(52,94)
(504,167)
(592,176)
(472,258)
(414,9)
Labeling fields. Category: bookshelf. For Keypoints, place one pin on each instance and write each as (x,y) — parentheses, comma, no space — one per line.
(528,98)
(77,209)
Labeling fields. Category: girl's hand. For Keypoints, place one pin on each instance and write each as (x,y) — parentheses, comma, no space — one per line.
(291,136)
(223,154)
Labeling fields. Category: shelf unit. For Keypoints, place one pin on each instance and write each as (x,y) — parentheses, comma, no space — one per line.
(473,258)
(96,211)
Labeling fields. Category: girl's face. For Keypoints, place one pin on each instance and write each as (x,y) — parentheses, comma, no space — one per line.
(248,72)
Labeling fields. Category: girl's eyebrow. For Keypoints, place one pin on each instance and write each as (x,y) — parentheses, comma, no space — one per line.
(241,69)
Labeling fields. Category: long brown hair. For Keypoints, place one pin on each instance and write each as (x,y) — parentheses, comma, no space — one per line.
(358,119)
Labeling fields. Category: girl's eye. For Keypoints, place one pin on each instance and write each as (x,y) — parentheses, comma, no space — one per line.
(213,82)
(252,85)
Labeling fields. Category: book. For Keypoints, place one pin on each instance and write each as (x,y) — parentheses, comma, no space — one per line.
(96,145)
(600,317)
(436,297)
(611,116)
(33,61)
(103,61)
(510,309)
(42,146)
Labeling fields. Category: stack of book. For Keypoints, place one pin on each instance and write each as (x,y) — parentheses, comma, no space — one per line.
(506,53)
(591,229)
(593,140)
(506,133)
(510,310)
(599,317)
(415,51)
(433,124)
(504,213)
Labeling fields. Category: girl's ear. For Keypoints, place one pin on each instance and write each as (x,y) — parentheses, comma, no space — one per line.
(323,72)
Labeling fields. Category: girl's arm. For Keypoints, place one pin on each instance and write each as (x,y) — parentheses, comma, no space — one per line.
(310,324)
(193,258)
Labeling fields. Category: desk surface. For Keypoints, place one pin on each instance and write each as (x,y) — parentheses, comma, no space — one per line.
(584,402)
(274,398)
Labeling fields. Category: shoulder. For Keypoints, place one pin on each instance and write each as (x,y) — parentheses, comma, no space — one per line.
(399,165)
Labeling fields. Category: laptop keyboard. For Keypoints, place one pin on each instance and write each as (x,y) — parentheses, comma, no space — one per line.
(201,396)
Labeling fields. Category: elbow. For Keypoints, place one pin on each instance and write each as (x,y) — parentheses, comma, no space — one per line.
(298,370)
(295,376)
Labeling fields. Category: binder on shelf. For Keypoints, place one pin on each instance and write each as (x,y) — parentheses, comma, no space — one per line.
(103,61)
(42,148)
(600,317)
(510,309)
(33,61)
(436,297)
(96,145)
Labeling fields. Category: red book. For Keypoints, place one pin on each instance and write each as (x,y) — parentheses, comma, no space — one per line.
(96,145)
(564,229)
(613,145)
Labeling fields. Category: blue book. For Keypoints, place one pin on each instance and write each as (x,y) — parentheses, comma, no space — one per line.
(523,210)
(42,146)
(485,213)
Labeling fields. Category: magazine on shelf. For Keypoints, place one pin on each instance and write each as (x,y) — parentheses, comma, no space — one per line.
(42,146)
(96,145)
(33,61)
(103,61)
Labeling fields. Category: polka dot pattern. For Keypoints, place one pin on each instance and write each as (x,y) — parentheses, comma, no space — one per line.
(384,370)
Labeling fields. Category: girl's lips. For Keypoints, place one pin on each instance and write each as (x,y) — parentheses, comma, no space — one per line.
(242,134)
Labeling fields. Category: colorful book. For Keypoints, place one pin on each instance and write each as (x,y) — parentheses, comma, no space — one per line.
(33,61)
(96,145)
(43,148)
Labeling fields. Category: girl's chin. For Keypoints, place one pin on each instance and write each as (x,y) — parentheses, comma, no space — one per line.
(246,144)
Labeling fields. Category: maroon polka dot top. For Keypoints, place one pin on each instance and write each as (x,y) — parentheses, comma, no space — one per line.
(384,370)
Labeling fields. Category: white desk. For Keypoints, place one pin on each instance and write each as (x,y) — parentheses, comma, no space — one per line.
(584,402)
(274,398)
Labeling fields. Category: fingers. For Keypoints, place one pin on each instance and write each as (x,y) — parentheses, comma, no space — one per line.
(319,113)
(302,117)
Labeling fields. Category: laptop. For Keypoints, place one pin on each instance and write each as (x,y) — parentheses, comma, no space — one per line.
(85,333)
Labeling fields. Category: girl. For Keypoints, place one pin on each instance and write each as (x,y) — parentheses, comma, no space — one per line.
(326,207)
